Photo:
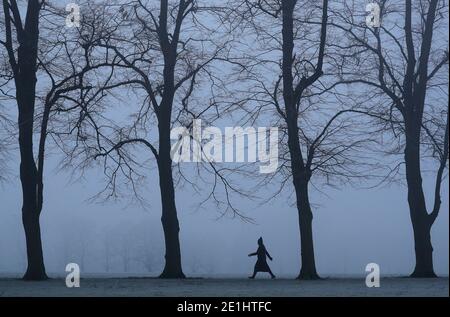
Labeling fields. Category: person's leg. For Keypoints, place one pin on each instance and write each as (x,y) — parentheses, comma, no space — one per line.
(254,273)
(271,274)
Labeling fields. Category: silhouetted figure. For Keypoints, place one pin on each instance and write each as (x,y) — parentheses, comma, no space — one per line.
(261,264)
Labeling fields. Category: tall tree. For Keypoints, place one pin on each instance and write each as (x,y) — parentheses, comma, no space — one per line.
(162,68)
(39,52)
(291,82)
(292,94)
(24,66)
(287,77)
(288,94)
(405,66)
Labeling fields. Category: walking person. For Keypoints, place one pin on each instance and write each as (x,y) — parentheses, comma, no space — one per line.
(261,264)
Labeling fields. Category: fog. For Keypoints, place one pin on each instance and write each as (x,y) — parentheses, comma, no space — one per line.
(352,226)
(351,229)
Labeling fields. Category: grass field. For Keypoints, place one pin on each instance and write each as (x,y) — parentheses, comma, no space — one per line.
(148,287)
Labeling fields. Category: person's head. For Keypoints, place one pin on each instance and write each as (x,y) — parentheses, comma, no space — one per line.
(260,241)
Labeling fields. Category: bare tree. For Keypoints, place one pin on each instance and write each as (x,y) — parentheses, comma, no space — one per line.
(37,49)
(291,85)
(24,67)
(161,68)
(288,90)
(402,68)
(292,94)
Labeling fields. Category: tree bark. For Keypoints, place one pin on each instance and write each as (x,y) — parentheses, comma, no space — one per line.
(169,219)
(421,220)
(30,212)
(300,173)
(305,216)
(308,270)
(415,96)
(173,268)
(25,80)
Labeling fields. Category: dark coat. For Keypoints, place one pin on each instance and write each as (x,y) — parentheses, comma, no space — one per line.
(261,264)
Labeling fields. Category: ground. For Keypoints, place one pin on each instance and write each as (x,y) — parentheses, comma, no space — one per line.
(138,287)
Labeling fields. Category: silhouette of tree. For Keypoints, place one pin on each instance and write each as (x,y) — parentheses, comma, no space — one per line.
(401,70)
(288,73)
(162,68)
(23,61)
(38,52)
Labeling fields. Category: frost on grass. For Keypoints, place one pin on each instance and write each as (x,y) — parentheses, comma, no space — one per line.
(227,287)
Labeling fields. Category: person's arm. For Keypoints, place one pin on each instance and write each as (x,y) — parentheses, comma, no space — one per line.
(253,254)
(269,256)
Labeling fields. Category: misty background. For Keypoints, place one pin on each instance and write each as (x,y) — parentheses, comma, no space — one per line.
(352,227)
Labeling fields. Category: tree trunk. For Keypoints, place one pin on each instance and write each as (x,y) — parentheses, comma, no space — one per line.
(423,250)
(421,220)
(36,269)
(24,69)
(300,174)
(30,210)
(301,177)
(305,216)
(169,219)
(26,93)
